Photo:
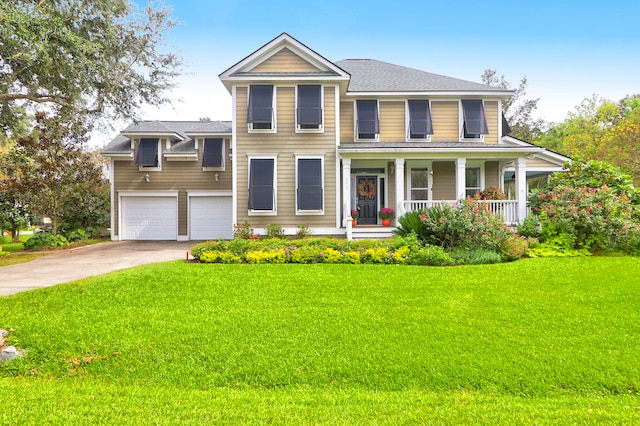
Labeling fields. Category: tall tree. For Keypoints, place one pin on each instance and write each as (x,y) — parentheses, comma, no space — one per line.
(92,57)
(48,167)
(517,109)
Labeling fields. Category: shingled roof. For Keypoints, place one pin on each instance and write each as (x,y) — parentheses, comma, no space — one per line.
(370,75)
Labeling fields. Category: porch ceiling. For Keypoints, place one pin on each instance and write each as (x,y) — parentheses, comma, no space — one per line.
(433,147)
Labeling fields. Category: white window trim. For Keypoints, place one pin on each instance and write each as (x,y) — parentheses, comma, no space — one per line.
(273,157)
(319,129)
(410,188)
(461,124)
(408,122)
(310,212)
(355,121)
(476,165)
(224,149)
(152,169)
(274,103)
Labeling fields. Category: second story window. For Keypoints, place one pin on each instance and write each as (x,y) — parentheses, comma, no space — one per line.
(148,156)
(474,122)
(213,154)
(260,109)
(420,126)
(309,111)
(368,124)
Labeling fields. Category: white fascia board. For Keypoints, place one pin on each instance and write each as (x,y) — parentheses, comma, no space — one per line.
(212,134)
(444,94)
(522,151)
(171,135)
(118,155)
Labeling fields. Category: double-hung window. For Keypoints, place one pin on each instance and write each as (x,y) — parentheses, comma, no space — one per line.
(213,154)
(474,122)
(420,126)
(309,108)
(262,185)
(472,181)
(368,124)
(419,183)
(309,192)
(148,156)
(260,116)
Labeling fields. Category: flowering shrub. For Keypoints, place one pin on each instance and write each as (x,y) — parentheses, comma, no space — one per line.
(596,219)
(244,231)
(352,257)
(376,255)
(354,213)
(215,256)
(331,256)
(262,256)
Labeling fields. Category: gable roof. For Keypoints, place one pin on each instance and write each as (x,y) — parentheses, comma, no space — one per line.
(370,75)
(184,132)
(249,68)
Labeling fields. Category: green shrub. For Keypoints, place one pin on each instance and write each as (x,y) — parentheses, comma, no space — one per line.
(559,246)
(303,231)
(261,256)
(513,248)
(45,240)
(331,256)
(477,256)
(376,255)
(275,231)
(409,223)
(530,227)
(430,255)
(215,256)
(401,255)
(410,240)
(244,231)
(200,248)
(77,235)
(352,257)
(307,254)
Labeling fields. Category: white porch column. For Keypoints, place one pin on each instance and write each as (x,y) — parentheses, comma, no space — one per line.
(461,178)
(521,188)
(346,190)
(400,187)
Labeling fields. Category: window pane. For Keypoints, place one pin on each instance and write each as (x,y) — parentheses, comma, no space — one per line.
(368,125)
(260,105)
(261,184)
(419,178)
(419,194)
(309,105)
(147,153)
(212,155)
(475,123)
(310,184)
(472,177)
(419,119)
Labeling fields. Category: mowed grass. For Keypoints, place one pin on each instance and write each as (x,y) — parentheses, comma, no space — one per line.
(542,341)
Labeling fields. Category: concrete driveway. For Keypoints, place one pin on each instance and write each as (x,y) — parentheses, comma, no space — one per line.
(82,262)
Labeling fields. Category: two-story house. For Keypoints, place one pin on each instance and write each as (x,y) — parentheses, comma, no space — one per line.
(311,140)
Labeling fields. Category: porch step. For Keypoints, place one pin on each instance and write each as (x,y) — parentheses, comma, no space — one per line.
(372,232)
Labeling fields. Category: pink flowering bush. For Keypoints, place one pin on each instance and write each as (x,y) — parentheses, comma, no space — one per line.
(597,219)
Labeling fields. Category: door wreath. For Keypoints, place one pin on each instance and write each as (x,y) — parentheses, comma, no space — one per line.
(367,189)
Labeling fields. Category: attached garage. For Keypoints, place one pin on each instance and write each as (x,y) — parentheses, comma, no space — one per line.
(149,216)
(210,215)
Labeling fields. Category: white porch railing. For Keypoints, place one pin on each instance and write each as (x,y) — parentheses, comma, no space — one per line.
(507,209)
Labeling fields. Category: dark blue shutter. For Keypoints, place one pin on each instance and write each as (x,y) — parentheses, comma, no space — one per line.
(475,123)
(147,153)
(309,184)
(309,105)
(261,184)
(260,109)
(419,119)
(368,124)
(506,129)
(212,155)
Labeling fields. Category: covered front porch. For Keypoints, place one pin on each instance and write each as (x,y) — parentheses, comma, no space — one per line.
(410,179)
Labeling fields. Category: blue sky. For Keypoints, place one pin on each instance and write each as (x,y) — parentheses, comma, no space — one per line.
(568,50)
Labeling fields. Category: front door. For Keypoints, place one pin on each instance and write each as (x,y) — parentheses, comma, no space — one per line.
(367,200)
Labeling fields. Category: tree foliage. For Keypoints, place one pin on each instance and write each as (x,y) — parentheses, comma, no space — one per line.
(517,109)
(48,169)
(88,56)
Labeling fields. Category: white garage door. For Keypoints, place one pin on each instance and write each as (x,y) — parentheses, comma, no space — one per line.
(210,218)
(149,218)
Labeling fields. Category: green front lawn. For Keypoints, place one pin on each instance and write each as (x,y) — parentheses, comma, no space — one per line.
(536,341)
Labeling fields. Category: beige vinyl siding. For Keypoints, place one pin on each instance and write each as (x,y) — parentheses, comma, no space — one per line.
(491,113)
(346,122)
(444,180)
(392,121)
(285,61)
(179,176)
(446,125)
(491,174)
(540,163)
(285,144)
